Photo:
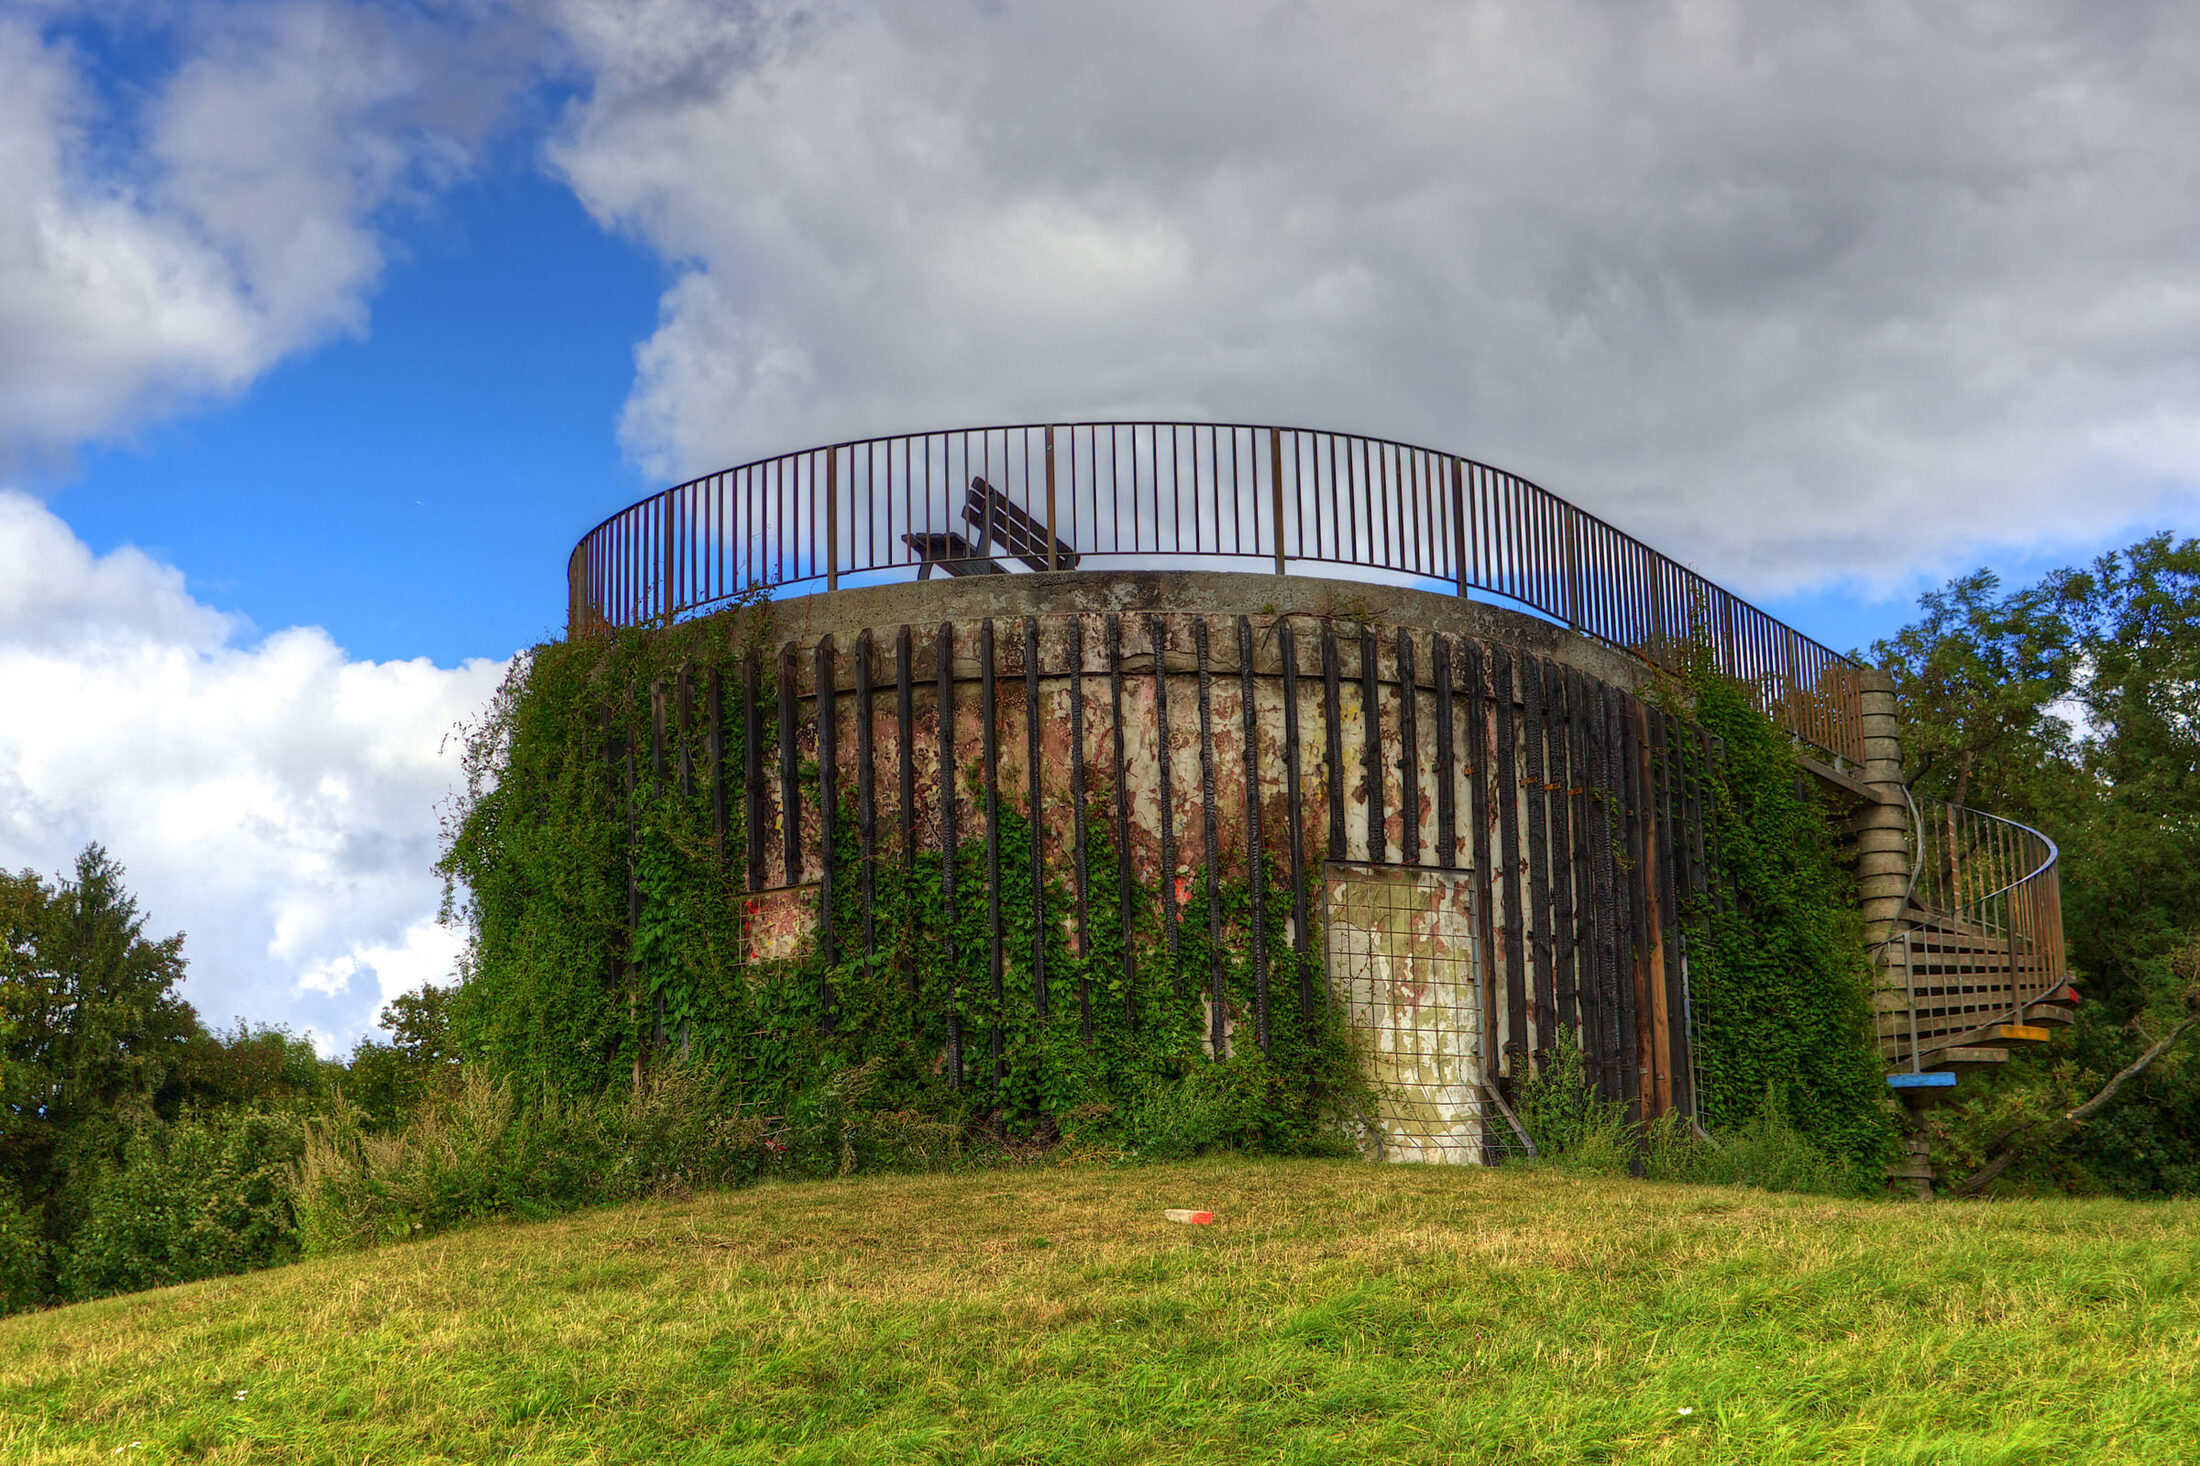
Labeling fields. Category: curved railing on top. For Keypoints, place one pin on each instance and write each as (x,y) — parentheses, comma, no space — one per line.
(1179,495)
(1983,939)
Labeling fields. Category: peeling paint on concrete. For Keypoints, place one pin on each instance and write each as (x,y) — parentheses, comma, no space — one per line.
(778,921)
(1401,962)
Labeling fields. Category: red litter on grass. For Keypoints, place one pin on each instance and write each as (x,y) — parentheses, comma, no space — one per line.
(1186,1214)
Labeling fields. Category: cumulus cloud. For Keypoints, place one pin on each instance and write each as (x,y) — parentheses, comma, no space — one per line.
(1793,293)
(271,795)
(168,241)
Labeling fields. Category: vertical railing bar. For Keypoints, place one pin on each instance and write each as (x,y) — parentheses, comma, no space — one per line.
(1414,470)
(1053,556)
(1458,530)
(832,515)
(1393,505)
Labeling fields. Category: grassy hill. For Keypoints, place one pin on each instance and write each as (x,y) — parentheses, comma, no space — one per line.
(1336,1312)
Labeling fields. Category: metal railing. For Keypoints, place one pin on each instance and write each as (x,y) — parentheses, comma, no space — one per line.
(1186,495)
(1983,939)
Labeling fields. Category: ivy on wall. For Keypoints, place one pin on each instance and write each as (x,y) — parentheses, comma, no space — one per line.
(557,997)
(1780,985)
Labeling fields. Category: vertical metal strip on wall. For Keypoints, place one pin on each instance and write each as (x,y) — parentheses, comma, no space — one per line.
(944,710)
(1471,672)
(1672,843)
(1217,998)
(790,794)
(1597,854)
(1409,748)
(1537,800)
(866,795)
(1255,860)
(827,677)
(904,743)
(1447,778)
(1507,788)
(1077,822)
(684,706)
(633,901)
(989,713)
(1037,812)
(1333,730)
(1657,936)
(1159,634)
(719,828)
(752,758)
(1124,883)
(1626,894)
(1371,747)
(1638,906)
(612,748)
(1583,887)
(1559,780)
(1300,937)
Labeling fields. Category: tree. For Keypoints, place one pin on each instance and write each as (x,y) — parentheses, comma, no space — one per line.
(2074,705)
(92,1023)
(387,1081)
(1982,680)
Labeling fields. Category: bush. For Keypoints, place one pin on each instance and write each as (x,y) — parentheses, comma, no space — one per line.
(1766,1151)
(204,1196)
(1213,1105)
(1570,1125)
(1577,1132)
(477,1152)
(22,1255)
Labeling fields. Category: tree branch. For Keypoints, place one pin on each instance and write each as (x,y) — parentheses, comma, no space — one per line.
(2071,1120)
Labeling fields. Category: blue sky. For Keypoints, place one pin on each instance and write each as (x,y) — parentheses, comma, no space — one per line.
(326,326)
(415,491)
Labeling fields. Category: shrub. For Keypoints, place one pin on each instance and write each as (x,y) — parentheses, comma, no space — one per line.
(1571,1126)
(478,1152)
(1577,1132)
(22,1255)
(1212,1105)
(1766,1150)
(204,1196)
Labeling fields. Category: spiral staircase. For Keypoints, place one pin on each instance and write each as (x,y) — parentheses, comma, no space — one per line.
(1973,968)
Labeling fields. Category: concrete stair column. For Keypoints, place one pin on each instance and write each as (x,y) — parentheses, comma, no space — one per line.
(1882,838)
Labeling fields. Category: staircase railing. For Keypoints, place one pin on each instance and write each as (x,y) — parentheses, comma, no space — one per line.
(1982,938)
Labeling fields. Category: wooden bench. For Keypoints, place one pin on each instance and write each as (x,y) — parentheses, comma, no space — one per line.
(952,553)
(996,517)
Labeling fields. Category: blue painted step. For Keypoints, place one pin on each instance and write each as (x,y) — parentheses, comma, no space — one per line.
(1922,1081)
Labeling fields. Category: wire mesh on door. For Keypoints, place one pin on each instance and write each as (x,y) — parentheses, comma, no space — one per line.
(1401,960)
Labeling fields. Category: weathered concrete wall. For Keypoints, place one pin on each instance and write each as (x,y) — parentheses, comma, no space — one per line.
(1567,804)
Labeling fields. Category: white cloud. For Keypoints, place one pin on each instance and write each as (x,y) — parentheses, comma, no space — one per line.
(1793,293)
(169,242)
(275,798)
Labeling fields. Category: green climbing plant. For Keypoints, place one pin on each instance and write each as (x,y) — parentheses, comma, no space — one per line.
(1779,981)
(572,794)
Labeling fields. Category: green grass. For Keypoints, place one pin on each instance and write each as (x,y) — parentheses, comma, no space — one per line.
(1337,1311)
